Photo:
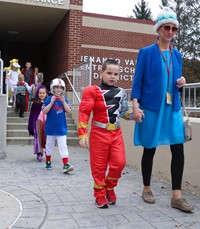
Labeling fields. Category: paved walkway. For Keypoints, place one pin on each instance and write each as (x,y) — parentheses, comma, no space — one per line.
(31,197)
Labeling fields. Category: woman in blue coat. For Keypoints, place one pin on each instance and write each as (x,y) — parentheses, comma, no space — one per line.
(156,104)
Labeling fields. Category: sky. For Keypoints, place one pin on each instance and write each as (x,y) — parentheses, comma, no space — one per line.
(122,8)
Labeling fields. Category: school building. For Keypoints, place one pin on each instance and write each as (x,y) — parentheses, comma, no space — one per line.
(56,36)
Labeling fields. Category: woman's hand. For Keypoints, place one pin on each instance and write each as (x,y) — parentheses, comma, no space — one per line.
(138,114)
(181,82)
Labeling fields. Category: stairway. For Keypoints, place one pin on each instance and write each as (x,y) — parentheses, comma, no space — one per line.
(17,133)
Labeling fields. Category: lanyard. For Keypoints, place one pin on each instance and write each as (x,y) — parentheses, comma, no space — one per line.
(168,68)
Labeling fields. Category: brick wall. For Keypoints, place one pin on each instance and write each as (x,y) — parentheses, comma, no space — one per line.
(75,38)
(57,50)
(115,38)
(63,49)
(76,2)
(121,45)
(127,68)
(66,47)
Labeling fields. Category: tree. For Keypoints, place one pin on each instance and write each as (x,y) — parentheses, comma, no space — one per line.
(187,39)
(142,11)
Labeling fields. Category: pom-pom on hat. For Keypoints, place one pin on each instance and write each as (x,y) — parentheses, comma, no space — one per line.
(165,16)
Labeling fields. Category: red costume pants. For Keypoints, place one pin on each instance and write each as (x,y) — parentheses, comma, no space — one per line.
(106,150)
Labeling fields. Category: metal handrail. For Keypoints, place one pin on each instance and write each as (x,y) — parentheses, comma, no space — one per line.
(72,87)
(191,99)
(191,88)
(1,77)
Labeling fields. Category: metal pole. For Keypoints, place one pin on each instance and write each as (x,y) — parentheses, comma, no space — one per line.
(90,73)
(72,88)
(1,75)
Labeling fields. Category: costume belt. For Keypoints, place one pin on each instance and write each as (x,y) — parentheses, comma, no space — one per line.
(107,126)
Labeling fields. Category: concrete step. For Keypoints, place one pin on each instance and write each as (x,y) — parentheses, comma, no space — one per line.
(17,133)
(23,126)
(16,119)
(26,114)
(14,114)
(25,133)
(71,141)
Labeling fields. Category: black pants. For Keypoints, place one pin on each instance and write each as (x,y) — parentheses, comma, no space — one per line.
(177,165)
(20,103)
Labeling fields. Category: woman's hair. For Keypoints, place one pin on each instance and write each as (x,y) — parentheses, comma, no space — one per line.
(108,62)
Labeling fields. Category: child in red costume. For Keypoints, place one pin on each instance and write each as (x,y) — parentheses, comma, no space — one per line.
(108,103)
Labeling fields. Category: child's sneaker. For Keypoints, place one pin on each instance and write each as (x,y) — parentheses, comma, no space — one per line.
(101,202)
(111,197)
(48,165)
(68,168)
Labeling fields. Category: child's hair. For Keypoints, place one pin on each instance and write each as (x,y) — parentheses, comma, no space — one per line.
(108,62)
(20,77)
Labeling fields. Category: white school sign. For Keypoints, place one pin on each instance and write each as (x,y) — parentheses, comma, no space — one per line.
(63,4)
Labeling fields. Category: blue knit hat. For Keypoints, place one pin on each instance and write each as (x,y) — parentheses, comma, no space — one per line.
(165,16)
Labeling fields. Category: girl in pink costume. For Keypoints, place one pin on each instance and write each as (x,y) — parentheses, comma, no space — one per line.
(40,96)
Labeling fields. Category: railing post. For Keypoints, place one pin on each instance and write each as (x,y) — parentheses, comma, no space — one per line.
(72,87)
(3,116)
(90,64)
(1,77)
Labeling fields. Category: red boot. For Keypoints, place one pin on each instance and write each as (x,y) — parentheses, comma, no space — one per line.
(111,197)
(101,202)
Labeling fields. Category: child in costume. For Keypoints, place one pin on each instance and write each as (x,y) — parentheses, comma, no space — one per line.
(38,79)
(28,73)
(40,124)
(40,96)
(108,103)
(12,77)
(22,89)
(55,106)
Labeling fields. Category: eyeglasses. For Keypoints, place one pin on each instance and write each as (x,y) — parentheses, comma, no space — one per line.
(168,28)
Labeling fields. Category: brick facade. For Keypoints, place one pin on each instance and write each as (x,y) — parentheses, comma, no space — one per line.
(76,2)
(114,43)
(75,38)
(75,41)
(82,36)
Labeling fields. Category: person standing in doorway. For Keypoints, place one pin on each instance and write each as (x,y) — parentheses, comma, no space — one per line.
(38,79)
(157,109)
(28,73)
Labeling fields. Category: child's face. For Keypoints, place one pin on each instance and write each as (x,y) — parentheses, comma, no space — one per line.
(58,90)
(28,65)
(36,70)
(14,69)
(111,74)
(42,94)
(20,78)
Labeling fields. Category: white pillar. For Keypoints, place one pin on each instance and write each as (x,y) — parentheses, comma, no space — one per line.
(3,123)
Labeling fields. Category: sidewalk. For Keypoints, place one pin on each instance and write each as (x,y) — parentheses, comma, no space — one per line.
(32,197)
